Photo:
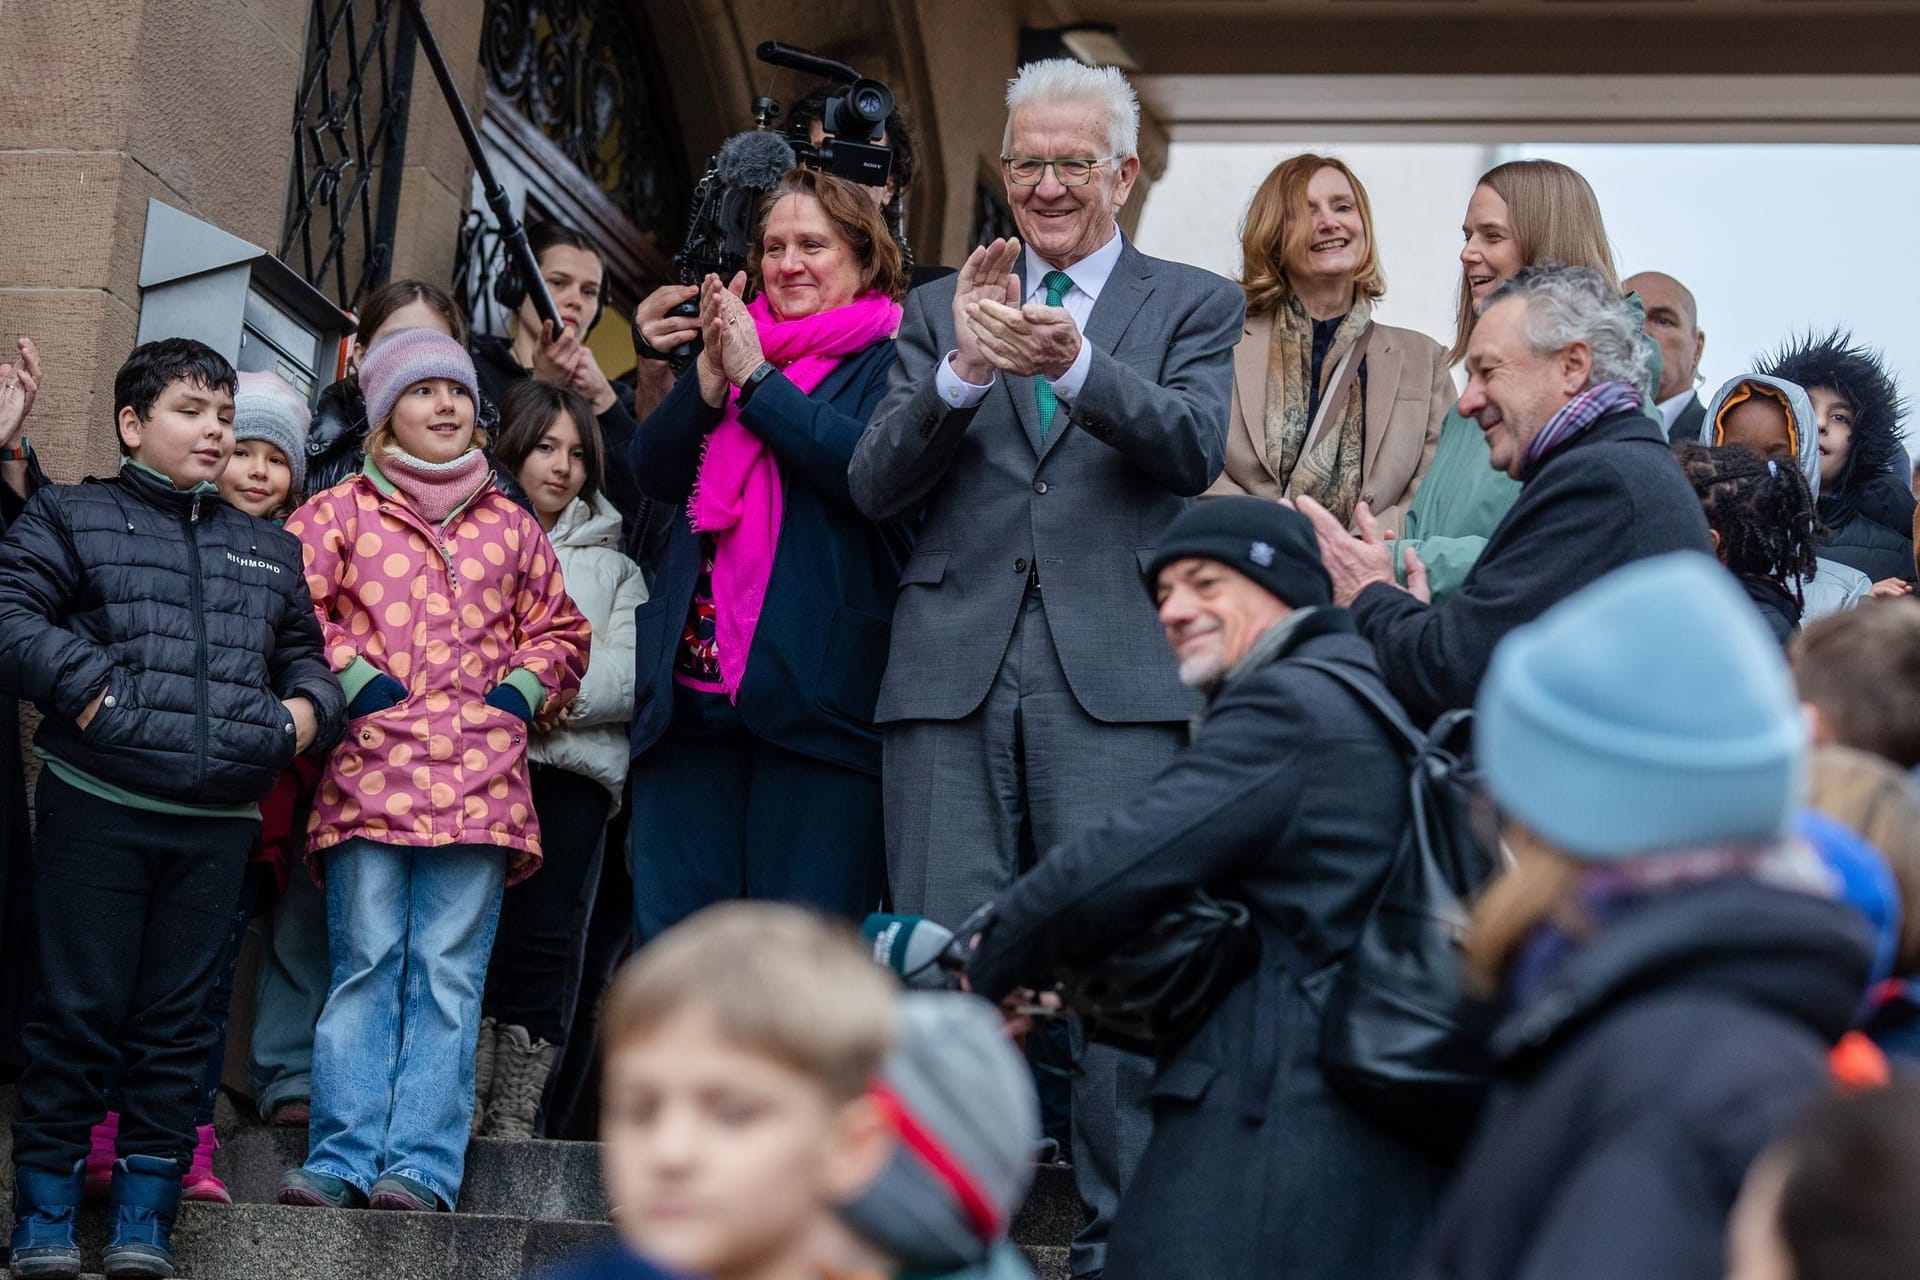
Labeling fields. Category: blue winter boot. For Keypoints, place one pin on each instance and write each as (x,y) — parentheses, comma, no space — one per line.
(144,1200)
(44,1208)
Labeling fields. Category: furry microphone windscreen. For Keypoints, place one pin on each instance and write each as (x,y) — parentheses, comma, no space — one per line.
(755,159)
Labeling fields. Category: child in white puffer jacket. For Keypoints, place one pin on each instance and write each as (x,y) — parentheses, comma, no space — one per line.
(551,443)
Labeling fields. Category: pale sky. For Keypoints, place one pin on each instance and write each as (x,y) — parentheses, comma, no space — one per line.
(1771,239)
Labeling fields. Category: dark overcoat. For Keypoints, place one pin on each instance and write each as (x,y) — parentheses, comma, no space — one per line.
(1611,495)
(1644,1077)
(1291,798)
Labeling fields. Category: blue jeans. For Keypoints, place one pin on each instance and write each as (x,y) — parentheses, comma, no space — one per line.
(294,977)
(409,931)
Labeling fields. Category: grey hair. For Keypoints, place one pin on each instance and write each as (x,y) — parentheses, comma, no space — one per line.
(1566,305)
(1064,80)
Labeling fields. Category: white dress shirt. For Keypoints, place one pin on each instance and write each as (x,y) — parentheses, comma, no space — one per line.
(1089,276)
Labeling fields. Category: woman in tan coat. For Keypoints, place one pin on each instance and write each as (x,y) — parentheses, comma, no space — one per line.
(1326,402)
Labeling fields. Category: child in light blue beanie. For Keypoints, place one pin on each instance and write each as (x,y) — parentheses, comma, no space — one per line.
(1673,962)
(1606,740)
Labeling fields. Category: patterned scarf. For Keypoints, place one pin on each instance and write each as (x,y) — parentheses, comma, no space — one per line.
(1579,413)
(737,496)
(1330,471)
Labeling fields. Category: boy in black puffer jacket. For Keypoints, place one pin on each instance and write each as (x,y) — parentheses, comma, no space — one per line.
(173,650)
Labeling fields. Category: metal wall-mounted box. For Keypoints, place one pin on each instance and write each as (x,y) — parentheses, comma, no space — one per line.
(197,281)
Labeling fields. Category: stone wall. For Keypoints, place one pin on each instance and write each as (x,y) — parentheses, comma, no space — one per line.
(113,103)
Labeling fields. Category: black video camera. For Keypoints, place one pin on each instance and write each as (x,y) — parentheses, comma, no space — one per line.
(852,120)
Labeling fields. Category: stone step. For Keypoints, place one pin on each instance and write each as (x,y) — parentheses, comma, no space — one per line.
(1051,1214)
(533,1179)
(1049,1261)
(274,1242)
(561,1181)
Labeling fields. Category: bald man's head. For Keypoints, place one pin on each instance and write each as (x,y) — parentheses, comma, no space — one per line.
(1673,322)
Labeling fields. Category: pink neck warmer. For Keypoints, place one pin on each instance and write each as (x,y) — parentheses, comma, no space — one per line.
(435,489)
(737,497)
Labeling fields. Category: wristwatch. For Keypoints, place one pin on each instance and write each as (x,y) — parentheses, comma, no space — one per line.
(754,379)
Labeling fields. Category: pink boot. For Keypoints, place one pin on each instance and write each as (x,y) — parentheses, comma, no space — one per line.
(100,1156)
(201,1183)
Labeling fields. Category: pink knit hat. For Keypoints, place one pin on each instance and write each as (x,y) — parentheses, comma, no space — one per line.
(401,359)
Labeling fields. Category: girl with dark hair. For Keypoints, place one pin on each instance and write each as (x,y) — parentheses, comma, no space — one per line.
(1866,504)
(1761,516)
(549,439)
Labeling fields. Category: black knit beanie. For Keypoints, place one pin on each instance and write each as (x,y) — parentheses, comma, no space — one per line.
(1272,544)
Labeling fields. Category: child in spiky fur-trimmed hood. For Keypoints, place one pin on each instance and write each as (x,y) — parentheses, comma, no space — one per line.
(1866,503)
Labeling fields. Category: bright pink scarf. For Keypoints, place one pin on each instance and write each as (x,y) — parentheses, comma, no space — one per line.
(737,497)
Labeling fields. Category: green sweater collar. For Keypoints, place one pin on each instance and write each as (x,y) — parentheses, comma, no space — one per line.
(203,489)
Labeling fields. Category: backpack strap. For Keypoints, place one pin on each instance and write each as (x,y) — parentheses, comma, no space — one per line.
(1374,696)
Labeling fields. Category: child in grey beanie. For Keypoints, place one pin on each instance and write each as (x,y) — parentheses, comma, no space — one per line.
(961,1102)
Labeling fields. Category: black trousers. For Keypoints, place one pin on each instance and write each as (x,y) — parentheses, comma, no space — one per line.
(132,910)
(573,1099)
(534,974)
(725,816)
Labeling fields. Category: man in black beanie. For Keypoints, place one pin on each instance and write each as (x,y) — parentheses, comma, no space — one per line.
(1291,799)
(1232,579)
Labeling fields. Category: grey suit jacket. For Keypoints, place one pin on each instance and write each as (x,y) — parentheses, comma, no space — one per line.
(1086,505)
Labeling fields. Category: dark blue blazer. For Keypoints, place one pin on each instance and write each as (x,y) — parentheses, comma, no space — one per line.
(821,644)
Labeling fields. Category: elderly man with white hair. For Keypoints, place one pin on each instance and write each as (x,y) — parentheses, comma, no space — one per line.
(1054,407)
(1553,370)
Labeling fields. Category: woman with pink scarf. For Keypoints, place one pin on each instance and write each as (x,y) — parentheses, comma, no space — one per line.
(756,768)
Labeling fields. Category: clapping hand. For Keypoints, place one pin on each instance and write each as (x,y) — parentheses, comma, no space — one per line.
(732,349)
(18,385)
(987,276)
(1355,561)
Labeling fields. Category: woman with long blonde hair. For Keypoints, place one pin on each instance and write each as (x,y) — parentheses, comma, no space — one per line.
(1524,213)
(1327,403)
(1674,962)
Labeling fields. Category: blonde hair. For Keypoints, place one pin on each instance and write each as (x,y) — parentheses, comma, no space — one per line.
(1555,220)
(776,980)
(1538,887)
(1869,796)
(1278,226)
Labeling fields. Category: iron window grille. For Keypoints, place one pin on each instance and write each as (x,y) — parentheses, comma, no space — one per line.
(349,130)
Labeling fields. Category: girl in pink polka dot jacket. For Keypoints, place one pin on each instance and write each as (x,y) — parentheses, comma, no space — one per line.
(447,622)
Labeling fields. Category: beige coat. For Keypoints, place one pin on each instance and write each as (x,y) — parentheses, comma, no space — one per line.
(1409,391)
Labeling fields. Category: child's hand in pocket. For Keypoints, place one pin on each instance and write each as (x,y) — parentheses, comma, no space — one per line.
(377,694)
(505,697)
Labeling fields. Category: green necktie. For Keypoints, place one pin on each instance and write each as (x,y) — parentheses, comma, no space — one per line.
(1057,283)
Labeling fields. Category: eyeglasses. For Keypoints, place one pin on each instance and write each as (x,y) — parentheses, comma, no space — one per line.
(1029,171)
